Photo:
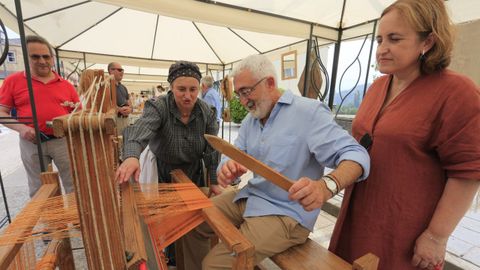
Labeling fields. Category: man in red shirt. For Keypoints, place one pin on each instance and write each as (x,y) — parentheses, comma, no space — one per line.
(54,97)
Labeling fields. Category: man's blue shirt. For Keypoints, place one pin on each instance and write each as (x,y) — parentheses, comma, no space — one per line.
(213,98)
(300,138)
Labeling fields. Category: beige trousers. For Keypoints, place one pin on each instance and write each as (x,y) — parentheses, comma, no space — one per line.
(56,150)
(269,234)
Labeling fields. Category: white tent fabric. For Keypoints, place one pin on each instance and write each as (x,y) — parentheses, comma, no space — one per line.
(144,34)
(93,27)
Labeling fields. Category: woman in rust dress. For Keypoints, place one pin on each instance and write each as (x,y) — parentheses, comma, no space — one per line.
(424,124)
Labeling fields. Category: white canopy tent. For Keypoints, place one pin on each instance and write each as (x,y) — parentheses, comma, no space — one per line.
(146,35)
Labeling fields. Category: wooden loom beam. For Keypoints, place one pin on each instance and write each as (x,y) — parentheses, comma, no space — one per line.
(59,250)
(49,188)
(235,241)
(91,155)
(132,226)
(58,253)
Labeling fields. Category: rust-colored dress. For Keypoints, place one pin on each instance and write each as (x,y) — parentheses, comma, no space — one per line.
(428,133)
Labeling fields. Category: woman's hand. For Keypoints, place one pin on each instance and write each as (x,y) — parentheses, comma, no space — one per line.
(429,251)
(129,167)
(230,171)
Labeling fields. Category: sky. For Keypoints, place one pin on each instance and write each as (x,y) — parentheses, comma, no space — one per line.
(11,34)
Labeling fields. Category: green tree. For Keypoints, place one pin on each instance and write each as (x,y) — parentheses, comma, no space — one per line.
(237,111)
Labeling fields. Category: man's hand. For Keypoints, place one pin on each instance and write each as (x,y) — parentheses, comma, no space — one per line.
(125,110)
(215,190)
(27,133)
(230,171)
(310,194)
(129,167)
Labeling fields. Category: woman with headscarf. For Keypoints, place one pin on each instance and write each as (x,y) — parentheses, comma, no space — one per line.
(420,123)
(173,126)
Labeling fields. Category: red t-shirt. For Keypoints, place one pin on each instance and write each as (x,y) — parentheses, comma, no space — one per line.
(52,99)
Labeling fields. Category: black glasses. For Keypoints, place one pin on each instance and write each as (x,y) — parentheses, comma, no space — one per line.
(117,69)
(37,57)
(244,92)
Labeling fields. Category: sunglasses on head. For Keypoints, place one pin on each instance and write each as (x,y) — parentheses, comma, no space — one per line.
(117,69)
(38,56)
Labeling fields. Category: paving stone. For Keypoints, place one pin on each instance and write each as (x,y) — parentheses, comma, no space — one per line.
(467,235)
(470,223)
(473,256)
(474,215)
(458,246)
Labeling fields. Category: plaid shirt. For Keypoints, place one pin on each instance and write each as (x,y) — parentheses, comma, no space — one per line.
(174,143)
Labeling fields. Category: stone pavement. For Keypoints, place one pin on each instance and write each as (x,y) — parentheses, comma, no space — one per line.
(463,246)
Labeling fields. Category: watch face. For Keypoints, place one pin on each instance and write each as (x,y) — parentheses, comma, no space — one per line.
(331,185)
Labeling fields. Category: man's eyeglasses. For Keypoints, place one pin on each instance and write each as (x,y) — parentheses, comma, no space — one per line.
(37,57)
(117,69)
(244,92)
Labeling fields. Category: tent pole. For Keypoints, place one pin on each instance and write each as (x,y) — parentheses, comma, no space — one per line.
(58,62)
(307,63)
(84,61)
(21,31)
(369,58)
(223,99)
(336,56)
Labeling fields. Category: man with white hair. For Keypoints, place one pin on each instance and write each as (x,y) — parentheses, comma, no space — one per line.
(211,96)
(297,137)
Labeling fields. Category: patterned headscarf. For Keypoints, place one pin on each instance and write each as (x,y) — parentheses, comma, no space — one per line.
(183,69)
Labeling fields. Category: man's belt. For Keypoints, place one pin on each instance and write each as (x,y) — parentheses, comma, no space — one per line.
(45,138)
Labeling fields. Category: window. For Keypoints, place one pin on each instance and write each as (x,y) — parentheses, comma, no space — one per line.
(11,57)
(289,65)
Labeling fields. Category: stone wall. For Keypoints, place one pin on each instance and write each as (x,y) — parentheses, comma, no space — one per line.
(466,52)
(345,122)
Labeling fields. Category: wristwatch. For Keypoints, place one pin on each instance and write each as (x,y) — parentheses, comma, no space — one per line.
(331,185)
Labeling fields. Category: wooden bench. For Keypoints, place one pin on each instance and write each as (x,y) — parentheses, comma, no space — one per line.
(310,255)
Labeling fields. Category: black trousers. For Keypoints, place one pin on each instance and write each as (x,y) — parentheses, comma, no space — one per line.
(194,171)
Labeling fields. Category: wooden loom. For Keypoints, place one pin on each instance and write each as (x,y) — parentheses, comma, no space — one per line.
(111,224)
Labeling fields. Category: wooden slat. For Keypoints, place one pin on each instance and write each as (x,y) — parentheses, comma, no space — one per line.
(224,229)
(8,252)
(231,237)
(58,253)
(132,229)
(107,122)
(310,255)
(25,257)
(60,249)
(65,256)
(366,262)
(249,162)
(97,201)
(178,176)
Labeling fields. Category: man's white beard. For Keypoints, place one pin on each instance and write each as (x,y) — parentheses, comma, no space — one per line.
(262,108)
